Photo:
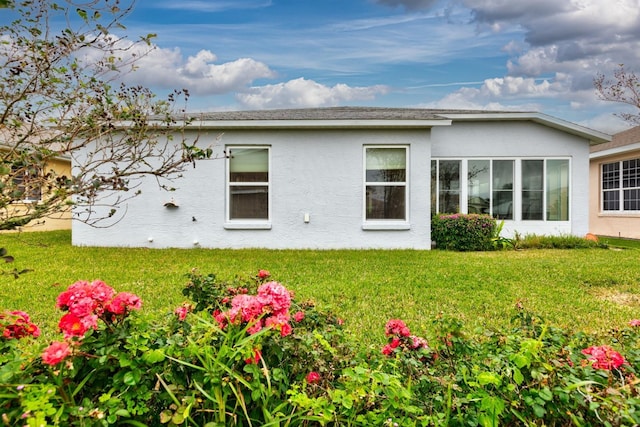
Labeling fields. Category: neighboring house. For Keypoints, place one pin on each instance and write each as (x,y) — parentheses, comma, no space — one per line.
(362,178)
(614,209)
(33,194)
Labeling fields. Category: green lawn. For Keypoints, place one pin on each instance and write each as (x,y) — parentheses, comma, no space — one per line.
(585,289)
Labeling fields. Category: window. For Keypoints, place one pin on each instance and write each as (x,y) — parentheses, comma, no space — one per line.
(621,186)
(26,184)
(248,178)
(539,188)
(385,183)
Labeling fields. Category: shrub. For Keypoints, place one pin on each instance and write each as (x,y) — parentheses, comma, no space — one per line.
(246,353)
(462,232)
(535,241)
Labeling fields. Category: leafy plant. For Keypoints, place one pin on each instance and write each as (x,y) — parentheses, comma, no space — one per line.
(463,232)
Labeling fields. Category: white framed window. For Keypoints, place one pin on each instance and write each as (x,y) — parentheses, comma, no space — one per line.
(386,184)
(27,184)
(620,186)
(508,189)
(248,186)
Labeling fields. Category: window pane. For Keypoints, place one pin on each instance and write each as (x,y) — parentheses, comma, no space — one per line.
(434,187)
(611,200)
(631,173)
(532,189)
(249,164)
(249,202)
(503,189)
(479,186)
(557,190)
(610,176)
(385,202)
(632,200)
(386,164)
(449,186)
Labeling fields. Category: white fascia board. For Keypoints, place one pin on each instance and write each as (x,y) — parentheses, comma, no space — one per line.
(616,150)
(594,136)
(315,124)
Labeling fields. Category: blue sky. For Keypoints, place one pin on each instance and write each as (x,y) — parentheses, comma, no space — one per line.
(526,55)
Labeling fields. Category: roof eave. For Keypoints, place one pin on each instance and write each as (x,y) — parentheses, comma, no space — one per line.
(594,136)
(312,124)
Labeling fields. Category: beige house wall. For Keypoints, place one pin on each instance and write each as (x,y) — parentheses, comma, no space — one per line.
(58,221)
(625,225)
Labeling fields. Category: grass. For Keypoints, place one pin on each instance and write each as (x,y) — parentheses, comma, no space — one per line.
(620,243)
(580,289)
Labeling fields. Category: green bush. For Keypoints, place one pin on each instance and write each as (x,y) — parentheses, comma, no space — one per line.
(244,353)
(462,232)
(535,241)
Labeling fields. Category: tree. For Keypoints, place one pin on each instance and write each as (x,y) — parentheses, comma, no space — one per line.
(56,104)
(624,88)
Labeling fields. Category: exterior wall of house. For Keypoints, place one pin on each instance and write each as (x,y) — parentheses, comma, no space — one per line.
(57,221)
(319,173)
(603,223)
(523,140)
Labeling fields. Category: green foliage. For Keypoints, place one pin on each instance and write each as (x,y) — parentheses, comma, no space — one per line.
(189,369)
(462,232)
(535,241)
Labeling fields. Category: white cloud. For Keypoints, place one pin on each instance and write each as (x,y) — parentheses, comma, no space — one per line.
(300,93)
(168,69)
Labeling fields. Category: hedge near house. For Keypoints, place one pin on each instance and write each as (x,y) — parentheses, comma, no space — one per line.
(463,232)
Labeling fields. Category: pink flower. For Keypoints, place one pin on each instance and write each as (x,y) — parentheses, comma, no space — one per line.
(123,303)
(246,307)
(395,342)
(56,353)
(313,377)
(603,357)
(419,342)
(299,316)
(634,323)
(182,311)
(263,274)
(274,295)
(397,327)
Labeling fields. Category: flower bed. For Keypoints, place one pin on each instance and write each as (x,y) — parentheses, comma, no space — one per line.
(245,352)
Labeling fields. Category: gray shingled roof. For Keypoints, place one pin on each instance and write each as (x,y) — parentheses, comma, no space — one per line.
(620,139)
(337,113)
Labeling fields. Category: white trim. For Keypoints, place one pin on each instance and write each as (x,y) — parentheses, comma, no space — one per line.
(616,150)
(386,225)
(375,224)
(247,225)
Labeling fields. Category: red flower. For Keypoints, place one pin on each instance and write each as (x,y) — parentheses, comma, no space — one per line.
(299,316)
(634,323)
(263,274)
(604,357)
(17,324)
(397,327)
(313,377)
(257,355)
(123,303)
(387,350)
(182,311)
(74,326)
(395,342)
(56,353)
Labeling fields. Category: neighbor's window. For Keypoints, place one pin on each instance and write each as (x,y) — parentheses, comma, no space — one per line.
(248,178)
(621,186)
(27,184)
(385,183)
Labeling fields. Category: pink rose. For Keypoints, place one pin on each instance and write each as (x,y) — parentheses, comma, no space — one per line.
(263,274)
(634,323)
(299,316)
(56,353)
(313,377)
(604,357)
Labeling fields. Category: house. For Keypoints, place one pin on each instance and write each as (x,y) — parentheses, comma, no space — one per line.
(361,177)
(33,194)
(614,174)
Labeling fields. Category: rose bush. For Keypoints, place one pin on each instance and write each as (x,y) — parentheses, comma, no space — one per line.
(245,352)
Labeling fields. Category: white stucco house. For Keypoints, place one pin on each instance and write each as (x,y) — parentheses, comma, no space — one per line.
(360,177)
